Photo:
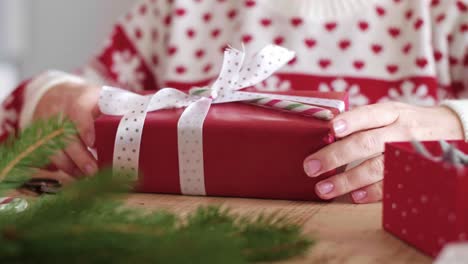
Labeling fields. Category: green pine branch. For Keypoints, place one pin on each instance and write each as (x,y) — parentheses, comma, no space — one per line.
(32,148)
(85,224)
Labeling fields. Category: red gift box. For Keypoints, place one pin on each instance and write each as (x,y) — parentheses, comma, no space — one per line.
(425,201)
(248,151)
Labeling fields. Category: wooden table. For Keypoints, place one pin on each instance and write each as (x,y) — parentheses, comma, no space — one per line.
(346,233)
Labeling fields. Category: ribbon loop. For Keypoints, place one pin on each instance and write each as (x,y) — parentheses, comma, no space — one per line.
(262,65)
(229,75)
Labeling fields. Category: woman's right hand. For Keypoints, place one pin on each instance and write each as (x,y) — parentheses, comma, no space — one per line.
(79,103)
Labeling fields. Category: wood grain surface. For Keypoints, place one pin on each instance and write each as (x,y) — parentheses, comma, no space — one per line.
(345,232)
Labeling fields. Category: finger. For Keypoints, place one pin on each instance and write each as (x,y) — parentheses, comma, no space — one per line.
(368,194)
(84,123)
(358,146)
(369,172)
(65,164)
(82,158)
(83,114)
(365,118)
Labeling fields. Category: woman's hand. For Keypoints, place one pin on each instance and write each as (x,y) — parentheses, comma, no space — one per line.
(78,102)
(363,133)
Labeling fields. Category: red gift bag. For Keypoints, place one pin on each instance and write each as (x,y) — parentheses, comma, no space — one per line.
(425,200)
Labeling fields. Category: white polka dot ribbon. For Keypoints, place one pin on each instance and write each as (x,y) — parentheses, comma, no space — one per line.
(235,74)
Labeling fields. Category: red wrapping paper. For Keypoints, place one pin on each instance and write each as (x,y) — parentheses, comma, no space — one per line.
(248,151)
(425,202)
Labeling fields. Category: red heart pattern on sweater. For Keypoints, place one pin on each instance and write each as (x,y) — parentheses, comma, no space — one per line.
(181,69)
(394,32)
(376,48)
(363,25)
(296,21)
(168,20)
(462,6)
(310,42)
(138,33)
(380,11)
(392,68)
(406,48)
(190,33)
(440,18)
(278,40)
(215,32)
(250,3)
(358,64)
(421,62)
(171,50)
(437,55)
(330,26)
(453,61)
(418,23)
(344,44)
(266,22)
(247,38)
(155,59)
(143,8)
(324,63)
(231,14)
(180,11)
(409,14)
(207,17)
(207,68)
(199,53)
(463,28)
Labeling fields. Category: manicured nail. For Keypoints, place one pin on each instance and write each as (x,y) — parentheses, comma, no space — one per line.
(90,139)
(90,169)
(339,126)
(311,167)
(325,187)
(359,195)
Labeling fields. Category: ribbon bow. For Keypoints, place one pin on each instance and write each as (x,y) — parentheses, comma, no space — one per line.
(236,74)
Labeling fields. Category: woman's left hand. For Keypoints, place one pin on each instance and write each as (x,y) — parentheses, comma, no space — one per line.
(363,132)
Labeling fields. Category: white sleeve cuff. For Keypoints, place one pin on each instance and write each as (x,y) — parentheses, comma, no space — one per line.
(460,107)
(37,88)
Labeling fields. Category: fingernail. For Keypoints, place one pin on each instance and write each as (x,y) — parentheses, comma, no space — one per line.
(311,167)
(90,169)
(325,187)
(359,195)
(90,139)
(339,126)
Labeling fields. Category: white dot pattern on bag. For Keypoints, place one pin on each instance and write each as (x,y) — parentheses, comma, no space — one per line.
(424,199)
(452,217)
(462,236)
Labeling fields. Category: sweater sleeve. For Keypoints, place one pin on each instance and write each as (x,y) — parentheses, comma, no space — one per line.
(450,42)
(126,60)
